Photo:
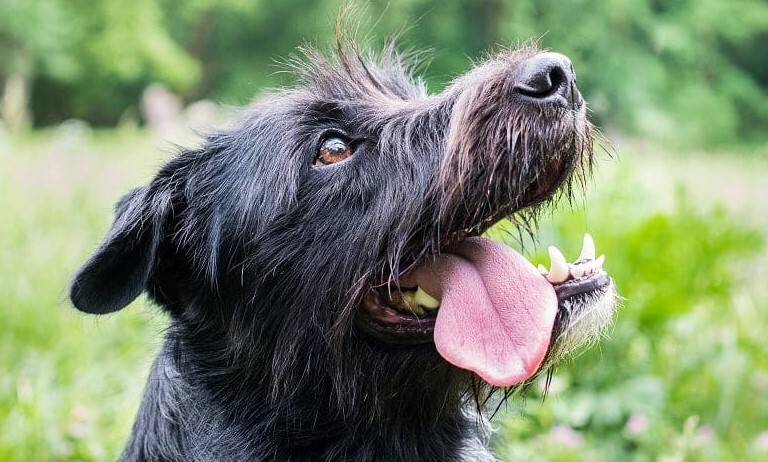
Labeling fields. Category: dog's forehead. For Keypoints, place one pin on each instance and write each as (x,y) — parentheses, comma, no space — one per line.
(349,77)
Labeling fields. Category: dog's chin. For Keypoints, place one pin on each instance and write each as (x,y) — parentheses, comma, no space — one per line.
(580,306)
(585,309)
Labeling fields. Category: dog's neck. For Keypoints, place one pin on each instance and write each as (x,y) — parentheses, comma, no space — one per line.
(378,422)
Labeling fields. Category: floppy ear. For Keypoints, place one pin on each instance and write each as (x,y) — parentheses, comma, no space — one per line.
(119,269)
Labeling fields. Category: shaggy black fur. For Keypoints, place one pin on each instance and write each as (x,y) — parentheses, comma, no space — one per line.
(262,256)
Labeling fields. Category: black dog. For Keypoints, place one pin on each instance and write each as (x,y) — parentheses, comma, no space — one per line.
(329,294)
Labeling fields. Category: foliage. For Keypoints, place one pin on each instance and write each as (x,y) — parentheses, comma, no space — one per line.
(682,376)
(646,66)
(687,71)
(21,34)
(118,49)
(661,67)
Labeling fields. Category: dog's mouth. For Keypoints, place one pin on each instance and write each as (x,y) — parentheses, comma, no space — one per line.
(483,306)
(489,310)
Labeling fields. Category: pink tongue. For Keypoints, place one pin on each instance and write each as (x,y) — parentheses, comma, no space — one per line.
(496,310)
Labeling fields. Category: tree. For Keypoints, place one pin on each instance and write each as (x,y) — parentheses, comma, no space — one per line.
(26,48)
(85,59)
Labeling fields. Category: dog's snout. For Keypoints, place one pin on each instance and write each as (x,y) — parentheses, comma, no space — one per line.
(548,78)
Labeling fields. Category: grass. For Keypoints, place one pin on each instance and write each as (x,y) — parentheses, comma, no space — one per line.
(74,381)
(683,376)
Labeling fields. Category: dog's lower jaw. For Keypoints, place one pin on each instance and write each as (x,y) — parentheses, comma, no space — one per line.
(181,411)
(582,316)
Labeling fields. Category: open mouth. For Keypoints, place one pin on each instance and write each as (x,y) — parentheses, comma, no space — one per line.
(486,308)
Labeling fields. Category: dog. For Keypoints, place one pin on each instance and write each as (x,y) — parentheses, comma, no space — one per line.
(330,294)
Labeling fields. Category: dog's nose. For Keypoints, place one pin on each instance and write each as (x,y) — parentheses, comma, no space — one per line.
(548,78)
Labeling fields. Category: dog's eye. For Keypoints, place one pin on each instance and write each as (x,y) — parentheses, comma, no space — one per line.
(333,150)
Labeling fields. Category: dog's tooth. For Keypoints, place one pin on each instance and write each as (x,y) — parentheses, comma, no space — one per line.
(592,266)
(599,262)
(579,271)
(421,298)
(542,269)
(587,249)
(588,267)
(558,273)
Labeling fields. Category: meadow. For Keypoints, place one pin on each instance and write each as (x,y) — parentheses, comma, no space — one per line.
(681,376)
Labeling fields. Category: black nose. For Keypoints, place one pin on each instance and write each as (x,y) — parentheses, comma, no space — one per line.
(548,78)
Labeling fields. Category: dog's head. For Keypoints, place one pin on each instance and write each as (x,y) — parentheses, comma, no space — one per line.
(345,214)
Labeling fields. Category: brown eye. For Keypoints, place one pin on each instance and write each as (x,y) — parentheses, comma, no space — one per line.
(333,150)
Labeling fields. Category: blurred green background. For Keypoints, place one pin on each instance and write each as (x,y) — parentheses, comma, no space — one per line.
(93,93)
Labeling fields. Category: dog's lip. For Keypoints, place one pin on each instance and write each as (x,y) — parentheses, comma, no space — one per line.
(392,325)
(590,284)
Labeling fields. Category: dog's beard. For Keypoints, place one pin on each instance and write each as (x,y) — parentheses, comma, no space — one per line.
(501,161)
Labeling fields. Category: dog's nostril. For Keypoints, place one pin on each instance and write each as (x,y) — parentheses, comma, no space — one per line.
(547,77)
(543,84)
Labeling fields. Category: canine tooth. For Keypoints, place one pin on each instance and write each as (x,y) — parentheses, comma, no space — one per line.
(559,271)
(542,269)
(587,249)
(421,298)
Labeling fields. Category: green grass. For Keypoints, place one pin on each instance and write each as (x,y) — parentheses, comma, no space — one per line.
(71,382)
(683,375)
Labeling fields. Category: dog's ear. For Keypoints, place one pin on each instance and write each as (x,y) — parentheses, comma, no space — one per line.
(119,269)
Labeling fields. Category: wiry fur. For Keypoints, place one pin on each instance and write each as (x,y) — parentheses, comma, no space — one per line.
(262,260)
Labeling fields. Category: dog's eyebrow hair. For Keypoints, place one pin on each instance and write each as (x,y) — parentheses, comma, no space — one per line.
(329,117)
(326,112)
(325,107)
